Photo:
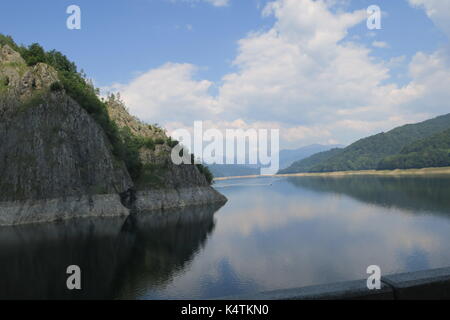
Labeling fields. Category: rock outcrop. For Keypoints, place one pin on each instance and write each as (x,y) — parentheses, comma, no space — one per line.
(56,161)
(179,185)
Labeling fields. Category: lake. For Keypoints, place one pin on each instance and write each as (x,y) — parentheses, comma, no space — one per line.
(273,233)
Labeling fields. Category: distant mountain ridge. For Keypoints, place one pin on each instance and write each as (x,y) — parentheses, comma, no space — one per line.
(287,157)
(306,165)
(408,146)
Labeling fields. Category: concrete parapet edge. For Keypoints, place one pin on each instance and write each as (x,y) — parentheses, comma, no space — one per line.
(420,285)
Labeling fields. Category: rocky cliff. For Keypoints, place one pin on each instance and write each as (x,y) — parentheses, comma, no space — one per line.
(57,162)
(163,184)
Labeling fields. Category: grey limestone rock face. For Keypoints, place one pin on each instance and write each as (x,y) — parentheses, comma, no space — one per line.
(56,162)
(59,209)
(161,199)
(55,149)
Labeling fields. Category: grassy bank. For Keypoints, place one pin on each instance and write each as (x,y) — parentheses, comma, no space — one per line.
(398,172)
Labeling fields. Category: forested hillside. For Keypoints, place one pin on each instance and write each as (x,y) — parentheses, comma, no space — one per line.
(425,153)
(424,144)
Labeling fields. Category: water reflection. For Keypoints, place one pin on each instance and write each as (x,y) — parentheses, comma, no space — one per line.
(273,233)
(117,256)
(415,193)
(290,232)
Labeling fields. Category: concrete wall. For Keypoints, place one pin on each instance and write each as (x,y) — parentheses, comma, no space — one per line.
(421,285)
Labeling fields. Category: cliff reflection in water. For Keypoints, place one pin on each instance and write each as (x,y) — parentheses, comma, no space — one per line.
(415,193)
(117,256)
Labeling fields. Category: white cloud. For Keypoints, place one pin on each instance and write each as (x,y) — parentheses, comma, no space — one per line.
(431,71)
(431,77)
(380,44)
(302,76)
(437,10)
(216,3)
(168,93)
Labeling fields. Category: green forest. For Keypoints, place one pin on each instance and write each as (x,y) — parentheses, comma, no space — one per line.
(425,153)
(421,145)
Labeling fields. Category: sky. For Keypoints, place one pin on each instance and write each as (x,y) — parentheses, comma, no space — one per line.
(310,68)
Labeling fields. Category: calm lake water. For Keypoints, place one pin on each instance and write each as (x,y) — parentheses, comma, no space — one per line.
(273,233)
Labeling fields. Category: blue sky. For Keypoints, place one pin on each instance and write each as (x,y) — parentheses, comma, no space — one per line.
(120,38)
(202,60)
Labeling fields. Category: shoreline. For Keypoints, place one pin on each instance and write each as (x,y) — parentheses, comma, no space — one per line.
(397,172)
(24,212)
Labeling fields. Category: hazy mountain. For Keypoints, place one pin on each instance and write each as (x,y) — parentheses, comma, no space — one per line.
(287,157)
(307,164)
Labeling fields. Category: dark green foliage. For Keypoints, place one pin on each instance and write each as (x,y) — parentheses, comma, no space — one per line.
(426,153)
(4,82)
(56,86)
(172,143)
(128,150)
(204,170)
(148,143)
(60,62)
(33,54)
(366,154)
